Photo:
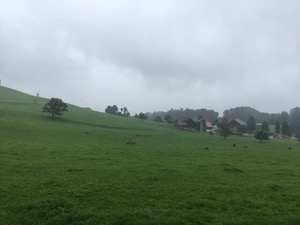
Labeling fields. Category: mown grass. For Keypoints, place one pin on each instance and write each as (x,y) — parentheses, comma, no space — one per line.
(79,170)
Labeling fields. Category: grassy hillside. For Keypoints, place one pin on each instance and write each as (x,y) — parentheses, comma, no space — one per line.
(79,170)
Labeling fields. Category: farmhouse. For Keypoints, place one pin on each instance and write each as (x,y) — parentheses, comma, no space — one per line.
(237,123)
(209,126)
(191,124)
(182,125)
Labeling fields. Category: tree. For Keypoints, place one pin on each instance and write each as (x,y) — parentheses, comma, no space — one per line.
(225,130)
(295,119)
(251,124)
(168,119)
(55,107)
(277,127)
(284,116)
(265,126)
(286,129)
(125,112)
(261,135)
(112,110)
(143,116)
(158,119)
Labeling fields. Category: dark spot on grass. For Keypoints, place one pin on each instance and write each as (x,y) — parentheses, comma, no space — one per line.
(201,166)
(89,158)
(275,187)
(225,164)
(74,170)
(233,170)
(153,179)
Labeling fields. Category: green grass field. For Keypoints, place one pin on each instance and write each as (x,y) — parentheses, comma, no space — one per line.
(79,170)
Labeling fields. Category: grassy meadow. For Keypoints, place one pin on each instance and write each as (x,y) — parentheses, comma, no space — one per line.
(79,170)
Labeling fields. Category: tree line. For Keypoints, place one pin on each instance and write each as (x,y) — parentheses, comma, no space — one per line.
(114,110)
(244,113)
(185,113)
(285,122)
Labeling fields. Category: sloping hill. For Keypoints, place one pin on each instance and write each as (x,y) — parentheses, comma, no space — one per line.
(79,170)
(20,108)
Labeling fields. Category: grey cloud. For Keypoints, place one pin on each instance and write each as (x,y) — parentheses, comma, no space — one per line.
(236,51)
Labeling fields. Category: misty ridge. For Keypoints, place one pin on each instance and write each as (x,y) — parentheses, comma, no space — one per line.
(243,114)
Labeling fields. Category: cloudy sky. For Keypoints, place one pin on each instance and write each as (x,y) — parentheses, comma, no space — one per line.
(154,55)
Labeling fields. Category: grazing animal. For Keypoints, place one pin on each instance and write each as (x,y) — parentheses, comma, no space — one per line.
(130,142)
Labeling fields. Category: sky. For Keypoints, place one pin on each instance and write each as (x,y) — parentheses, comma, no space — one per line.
(154,55)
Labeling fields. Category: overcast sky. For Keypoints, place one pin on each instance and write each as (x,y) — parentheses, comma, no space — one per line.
(154,55)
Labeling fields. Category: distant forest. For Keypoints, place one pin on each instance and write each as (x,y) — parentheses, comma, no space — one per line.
(243,113)
(179,114)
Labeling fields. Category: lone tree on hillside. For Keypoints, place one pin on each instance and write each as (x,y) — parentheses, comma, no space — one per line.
(55,107)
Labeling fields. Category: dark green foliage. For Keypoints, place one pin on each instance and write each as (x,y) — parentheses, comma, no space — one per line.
(168,119)
(143,116)
(261,135)
(286,129)
(112,109)
(217,122)
(284,116)
(125,112)
(224,128)
(277,127)
(191,123)
(186,113)
(295,119)
(158,119)
(265,126)
(56,107)
(244,113)
(251,124)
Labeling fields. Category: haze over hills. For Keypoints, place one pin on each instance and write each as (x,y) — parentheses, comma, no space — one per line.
(241,112)
(22,107)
